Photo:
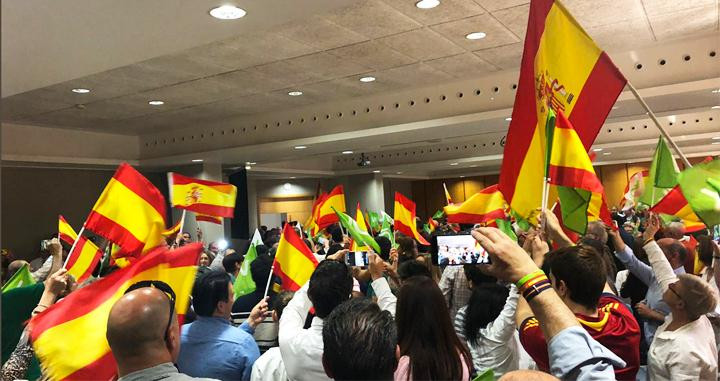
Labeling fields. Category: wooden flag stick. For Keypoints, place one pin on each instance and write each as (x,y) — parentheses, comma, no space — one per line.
(267,286)
(73,246)
(180,229)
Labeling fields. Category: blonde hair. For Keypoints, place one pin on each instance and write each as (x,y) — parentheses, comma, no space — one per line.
(698,296)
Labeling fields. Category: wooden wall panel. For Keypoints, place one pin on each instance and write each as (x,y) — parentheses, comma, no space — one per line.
(473,185)
(418,195)
(614,179)
(456,188)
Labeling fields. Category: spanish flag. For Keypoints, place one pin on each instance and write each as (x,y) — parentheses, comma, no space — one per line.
(312,223)
(326,214)
(130,212)
(202,196)
(69,337)
(85,255)
(294,262)
(561,69)
(484,206)
(65,232)
(208,218)
(405,218)
(674,204)
(448,199)
(172,231)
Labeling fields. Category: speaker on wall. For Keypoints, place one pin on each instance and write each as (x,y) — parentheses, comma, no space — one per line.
(240,224)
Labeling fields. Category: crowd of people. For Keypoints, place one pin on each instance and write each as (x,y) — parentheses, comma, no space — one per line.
(635,301)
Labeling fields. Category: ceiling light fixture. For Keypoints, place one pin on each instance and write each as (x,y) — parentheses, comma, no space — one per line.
(248,167)
(367,79)
(715,143)
(300,147)
(156,103)
(295,93)
(376,171)
(454,163)
(347,152)
(399,173)
(293,177)
(615,107)
(227,12)
(597,149)
(715,107)
(716,91)
(716,138)
(475,36)
(607,153)
(197,160)
(462,177)
(508,119)
(80,90)
(427,4)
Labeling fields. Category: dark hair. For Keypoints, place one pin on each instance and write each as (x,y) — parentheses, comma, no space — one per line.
(260,269)
(677,248)
(359,342)
(412,268)
(330,285)
(210,289)
(406,248)
(385,247)
(271,240)
(605,255)
(281,301)
(583,271)
(335,233)
(473,273)
(426,334)
(261,250)
(484,306)
(230,260)
(705,249)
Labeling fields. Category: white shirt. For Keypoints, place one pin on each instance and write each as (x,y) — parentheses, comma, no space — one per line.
(269,367)
(301,349)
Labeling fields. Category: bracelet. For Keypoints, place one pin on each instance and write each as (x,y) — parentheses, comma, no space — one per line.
(648,241)
(527,277)
(529,289)
(535,291)
(42,305)
(536,280)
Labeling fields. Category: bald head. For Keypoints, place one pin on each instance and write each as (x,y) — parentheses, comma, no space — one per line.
(675,230)
(674,251)
(137,324)
(14,266)
(527,375)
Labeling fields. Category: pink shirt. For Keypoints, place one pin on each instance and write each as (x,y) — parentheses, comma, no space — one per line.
(403,369)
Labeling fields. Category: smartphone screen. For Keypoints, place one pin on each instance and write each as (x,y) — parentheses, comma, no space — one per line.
(356,258)
(460,250)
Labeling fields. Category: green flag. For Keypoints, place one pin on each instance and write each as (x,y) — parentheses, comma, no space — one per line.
(374,221)
(21,278)
(701,187)
(386,231)
(360,236)
(438,215)
(506,227)
(244,283)
(662,176)
(574,204)
(549,134)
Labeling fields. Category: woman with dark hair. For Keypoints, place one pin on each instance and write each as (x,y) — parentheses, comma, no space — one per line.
(429,347)
(407,248)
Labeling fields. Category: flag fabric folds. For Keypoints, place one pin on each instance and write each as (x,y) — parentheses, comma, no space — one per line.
(84,256)
(130,212)
(294,262)
(701,187)
(21,278)
(634,189)
(362,225)
(448,199)
(82,316)
(335,200)
(361,238)
(312,223)
(199,217)
(172,231)
(674,204)
(65,232)
(244,283)
(486,205)
(374,221)
(561,69)
(662,175)
(385,230)
(582,197)
(202,196)
(404,220)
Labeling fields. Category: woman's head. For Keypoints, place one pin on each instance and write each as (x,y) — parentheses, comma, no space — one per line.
(706,249)
(407,249)
(691,295)
(204,260)
(486,302)
(425,332)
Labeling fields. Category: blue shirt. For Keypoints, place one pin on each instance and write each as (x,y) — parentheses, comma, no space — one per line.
(574,355)
(211,347)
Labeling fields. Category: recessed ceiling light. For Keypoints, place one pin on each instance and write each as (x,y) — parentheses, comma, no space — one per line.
(715,107)
(399,173)
(248,167)
(367,79)
(347,152)
(250,163)
(293,177)
(80,90)
(197,160)
(376,171)
(156,103)
(716,138)
(607,153)
(227,12)
(427,4)
(473,166)
(454,163)
(295,93)
(300,147)
(716,143)
(462,177)
(475,35)
(716,91)
(615,107)
(597,149)
(508,119)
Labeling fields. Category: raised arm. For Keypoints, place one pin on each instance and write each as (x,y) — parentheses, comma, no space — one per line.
(660,266)
(623,252)
(503,327)
(385,298)
(554,230)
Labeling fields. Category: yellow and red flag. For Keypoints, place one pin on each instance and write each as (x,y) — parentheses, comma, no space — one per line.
(208,218)
(335,200)
(312,223)
(448,199)
(564,70)
(484,206)
(432,225)
(172,231)
(84,256)
(404,220)
(69,337)
(294,262)
(130,212)
(360,220)
(674,204)
(202,196)
(65,232)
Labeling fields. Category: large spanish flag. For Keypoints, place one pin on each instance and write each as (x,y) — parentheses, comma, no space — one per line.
(199,217)
(582,197)
(202,196)
(562,69)
(294,262)
(85,255)
(65,232)
(674,204)
(404,221)
(130,212)
(69,337)
(312,222)
(486,205)
(335,200)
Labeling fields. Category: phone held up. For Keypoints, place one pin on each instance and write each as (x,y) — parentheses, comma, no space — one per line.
(461,249)
(356,258)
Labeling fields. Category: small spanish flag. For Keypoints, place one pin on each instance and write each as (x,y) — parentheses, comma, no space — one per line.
(84,256)
(405,218)
(294,262)
(202,196)
(199,217)
(65,231)
(335,200)
(448,199)
(675,204)
(486,205)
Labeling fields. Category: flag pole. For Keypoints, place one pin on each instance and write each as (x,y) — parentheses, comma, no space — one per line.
(73,246)
(267,286)
(180,228)
(658,125)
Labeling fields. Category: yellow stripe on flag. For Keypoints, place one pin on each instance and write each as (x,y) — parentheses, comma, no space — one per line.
(220,195)
(65,228)
(80,267)
(294,263)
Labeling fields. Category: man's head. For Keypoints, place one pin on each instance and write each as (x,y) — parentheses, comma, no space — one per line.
(597,230)
(691,295)
(674,251)
(675,229)
(412,268)
(359,342)
(330,285)
(385,247)
(232,263)
(260,269)
(186,237)
(14,266)
(281,301)
(577,274)
(475,277)
(336,234)
(142,330)
(213,248)
(213,295)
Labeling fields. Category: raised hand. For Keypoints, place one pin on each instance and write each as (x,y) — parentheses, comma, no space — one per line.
(509,261)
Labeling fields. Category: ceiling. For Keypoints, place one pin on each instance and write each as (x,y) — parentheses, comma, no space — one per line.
(234,76)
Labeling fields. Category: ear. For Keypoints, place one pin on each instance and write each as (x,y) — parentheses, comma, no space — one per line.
(328,372)
(561,288)
(275,316)
(397,352)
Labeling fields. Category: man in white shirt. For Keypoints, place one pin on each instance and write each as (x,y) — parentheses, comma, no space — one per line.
(302,349)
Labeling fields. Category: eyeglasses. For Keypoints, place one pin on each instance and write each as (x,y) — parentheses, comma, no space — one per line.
(162,286)
(670,287)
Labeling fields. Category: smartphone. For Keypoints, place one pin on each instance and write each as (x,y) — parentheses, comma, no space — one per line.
(356,258)
(462,249)
(44,244)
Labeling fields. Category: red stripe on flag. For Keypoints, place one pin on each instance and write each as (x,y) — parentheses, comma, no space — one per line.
(76,252)
(672,203)
(103,368)
(575,178)
(137,183)
(469,218)
(213,210)
(179,179)
(115,232)
(405,202)
(66,238)
(287,282)
(211,219)
(327,220)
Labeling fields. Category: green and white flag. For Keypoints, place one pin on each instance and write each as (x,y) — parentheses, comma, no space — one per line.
(361,237)
(244,283)
(701,187)
(386,231)
(662,176)
(21,278)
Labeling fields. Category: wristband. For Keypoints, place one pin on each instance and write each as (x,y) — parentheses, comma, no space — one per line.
(527,277)
(648,241)
(535,291)
(534,282)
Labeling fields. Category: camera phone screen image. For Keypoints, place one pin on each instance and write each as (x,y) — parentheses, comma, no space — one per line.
(357,258)
(460,250)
